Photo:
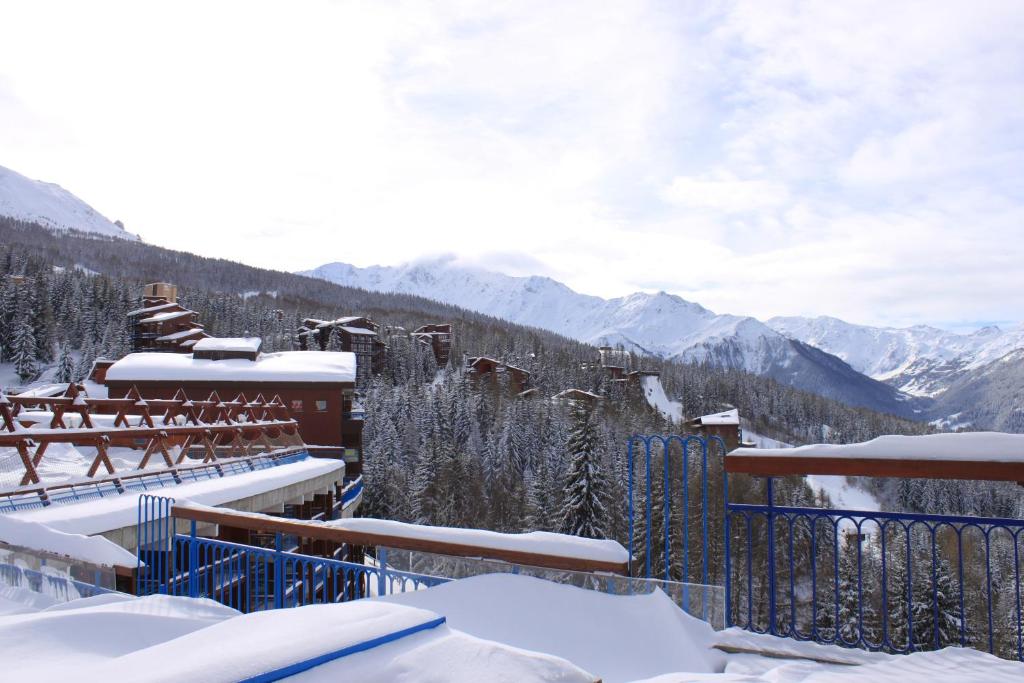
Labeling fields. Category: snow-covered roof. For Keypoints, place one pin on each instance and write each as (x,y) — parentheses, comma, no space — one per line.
(991,446)
(153,309)
(99,515)
(45,391)
(326,367)
(573,393)
(37,536)
(337,321)
(729,417)
(167,315)
(182,334)
(358,330)
(242,344)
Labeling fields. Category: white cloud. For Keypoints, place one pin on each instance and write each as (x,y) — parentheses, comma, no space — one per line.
(726,193)
(856,159)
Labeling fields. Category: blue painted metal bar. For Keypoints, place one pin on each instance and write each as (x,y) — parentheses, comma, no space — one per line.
(306,665)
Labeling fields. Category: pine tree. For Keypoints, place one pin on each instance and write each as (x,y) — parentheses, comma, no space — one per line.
(583,509)
(24,351)
(858,620)
(939,600)
(65,365)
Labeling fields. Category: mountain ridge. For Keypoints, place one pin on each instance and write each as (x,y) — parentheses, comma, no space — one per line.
(53,207)
(659,324)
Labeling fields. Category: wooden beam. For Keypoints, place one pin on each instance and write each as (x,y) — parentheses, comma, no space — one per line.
(322,532)
(965,469)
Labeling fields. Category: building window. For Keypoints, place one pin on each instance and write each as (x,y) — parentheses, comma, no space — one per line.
(296,405)
(321,405)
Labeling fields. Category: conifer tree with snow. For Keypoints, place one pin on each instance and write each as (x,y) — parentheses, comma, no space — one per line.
(583,508)
(65,365)
(24,351)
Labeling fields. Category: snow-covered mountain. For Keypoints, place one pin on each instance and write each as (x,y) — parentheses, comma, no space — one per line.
(661,324)
(920,360)
(51,205)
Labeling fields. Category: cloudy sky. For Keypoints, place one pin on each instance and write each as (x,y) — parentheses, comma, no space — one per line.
(858,159)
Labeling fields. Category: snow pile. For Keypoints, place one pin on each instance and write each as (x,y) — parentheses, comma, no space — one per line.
(536,542)
(329,367)
(68,641)
(52,206)
(36,536)
(994,446)
(104,514)
(162,638)
(619,638)
(654,392)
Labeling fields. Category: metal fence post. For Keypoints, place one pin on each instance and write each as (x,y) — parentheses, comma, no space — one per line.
(770,491)
(193,563)
(728,550)
(382,568)
(278,573)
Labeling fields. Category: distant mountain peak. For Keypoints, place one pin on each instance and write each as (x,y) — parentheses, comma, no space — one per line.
(657,323)
(51,206)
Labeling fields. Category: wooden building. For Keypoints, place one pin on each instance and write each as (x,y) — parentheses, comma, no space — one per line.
(318,387)
(725,425)
(439,338)
(482,369)
(571,397)
(354,334)
(162,324)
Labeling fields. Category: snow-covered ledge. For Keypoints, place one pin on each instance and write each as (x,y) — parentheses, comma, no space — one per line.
(989,456)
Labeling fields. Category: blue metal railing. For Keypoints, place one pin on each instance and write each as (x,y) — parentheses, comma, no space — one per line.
(352,491)
(651,447)
(62,588)
(253,577)
(899,582)
(150,481)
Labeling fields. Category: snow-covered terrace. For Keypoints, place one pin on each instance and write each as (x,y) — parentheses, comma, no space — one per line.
(502,628)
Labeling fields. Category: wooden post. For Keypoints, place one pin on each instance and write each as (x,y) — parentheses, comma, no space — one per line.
(31,477)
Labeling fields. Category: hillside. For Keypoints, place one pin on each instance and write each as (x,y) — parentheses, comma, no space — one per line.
(52,206)
(215,288)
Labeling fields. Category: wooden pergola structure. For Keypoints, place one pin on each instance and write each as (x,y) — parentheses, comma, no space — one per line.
(155,425)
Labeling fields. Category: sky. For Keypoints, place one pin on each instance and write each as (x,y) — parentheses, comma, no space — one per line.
(858,159)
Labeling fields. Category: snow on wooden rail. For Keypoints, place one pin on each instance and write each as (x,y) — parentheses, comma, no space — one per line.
(211,424)
(536,549)
(986,456)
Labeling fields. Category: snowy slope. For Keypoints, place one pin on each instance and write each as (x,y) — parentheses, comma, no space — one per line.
(51,205)
(660,324)
(919,360)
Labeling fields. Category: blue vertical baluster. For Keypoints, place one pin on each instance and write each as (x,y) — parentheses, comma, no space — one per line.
(278,573)
(193,562)
(769,490)
(666,497)
(728,549)
(988,587)
(629,487)
(960,581)
(382,568)
(647,509)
